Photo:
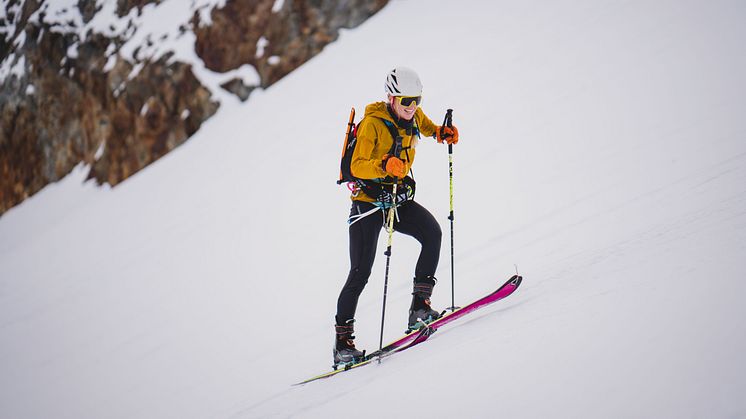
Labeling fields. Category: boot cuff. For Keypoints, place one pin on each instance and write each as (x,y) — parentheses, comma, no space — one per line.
(423,289)
(345,331)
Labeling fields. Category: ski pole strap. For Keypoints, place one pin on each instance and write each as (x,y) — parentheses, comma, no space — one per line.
(393,214)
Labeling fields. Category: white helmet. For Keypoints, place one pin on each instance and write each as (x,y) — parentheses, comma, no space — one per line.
(403,81)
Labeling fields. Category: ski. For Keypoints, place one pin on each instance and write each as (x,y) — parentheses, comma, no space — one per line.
(387,351)
(416,337)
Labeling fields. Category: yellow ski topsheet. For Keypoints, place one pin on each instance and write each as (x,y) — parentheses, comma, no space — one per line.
(335,372)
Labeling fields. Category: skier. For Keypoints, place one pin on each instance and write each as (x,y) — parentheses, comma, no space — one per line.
(372,163)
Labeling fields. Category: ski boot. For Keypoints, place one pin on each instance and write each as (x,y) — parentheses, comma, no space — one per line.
(420,312)
(345,353)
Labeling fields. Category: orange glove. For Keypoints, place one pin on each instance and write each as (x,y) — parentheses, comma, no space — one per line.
(394,166)
(449,135)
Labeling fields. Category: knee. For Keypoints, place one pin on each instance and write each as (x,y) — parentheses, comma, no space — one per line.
(357,279)
(436,235)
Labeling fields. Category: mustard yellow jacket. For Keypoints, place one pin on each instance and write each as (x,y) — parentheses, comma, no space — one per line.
(374,141)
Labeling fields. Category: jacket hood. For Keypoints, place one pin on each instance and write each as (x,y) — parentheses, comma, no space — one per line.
(381,110)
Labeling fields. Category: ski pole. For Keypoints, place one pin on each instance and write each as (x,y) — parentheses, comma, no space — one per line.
(395,151)
(390,227)
(448,122)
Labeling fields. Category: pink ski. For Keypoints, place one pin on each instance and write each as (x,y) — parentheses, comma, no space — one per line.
(413,338)
(424,333)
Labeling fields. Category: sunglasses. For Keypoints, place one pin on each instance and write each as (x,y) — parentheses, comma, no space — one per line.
(406,101)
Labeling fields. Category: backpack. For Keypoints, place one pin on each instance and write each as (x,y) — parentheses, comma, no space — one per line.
(380,190)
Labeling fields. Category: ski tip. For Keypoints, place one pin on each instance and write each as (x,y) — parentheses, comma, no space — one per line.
(515,279)
(514,282)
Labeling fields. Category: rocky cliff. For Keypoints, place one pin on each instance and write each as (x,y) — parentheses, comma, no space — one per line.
(116,84)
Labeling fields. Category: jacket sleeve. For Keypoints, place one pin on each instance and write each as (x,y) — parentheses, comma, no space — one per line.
(366,164)
(427,127)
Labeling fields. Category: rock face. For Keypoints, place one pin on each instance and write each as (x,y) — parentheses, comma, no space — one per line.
(276,43)
(68,97)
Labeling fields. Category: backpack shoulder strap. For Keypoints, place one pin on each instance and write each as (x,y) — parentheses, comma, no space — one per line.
(396,146)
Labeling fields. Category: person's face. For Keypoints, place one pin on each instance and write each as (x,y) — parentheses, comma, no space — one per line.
(403,109)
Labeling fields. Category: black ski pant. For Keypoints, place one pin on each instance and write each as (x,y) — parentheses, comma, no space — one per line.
(414,220)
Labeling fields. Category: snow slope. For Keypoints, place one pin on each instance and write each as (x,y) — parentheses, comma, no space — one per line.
(602,152)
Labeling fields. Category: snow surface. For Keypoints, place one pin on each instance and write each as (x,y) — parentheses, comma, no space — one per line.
(602,151)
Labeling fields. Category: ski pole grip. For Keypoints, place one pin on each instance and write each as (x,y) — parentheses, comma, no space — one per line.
(446,122)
